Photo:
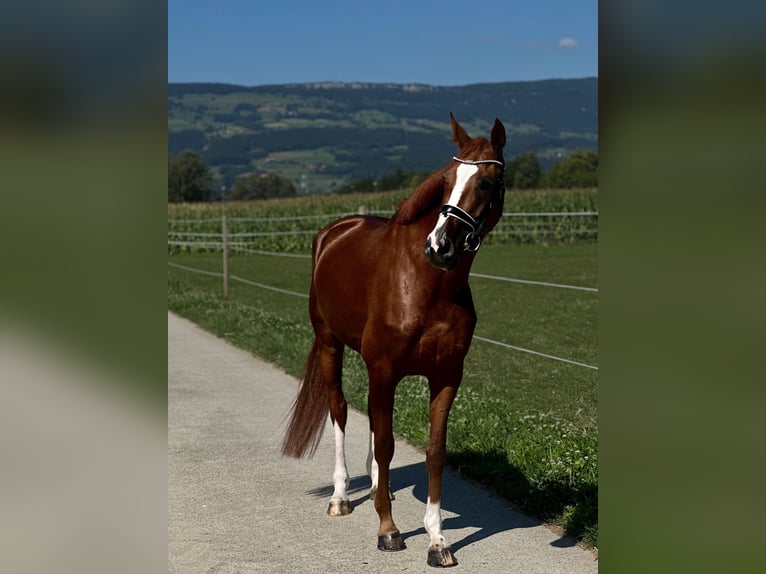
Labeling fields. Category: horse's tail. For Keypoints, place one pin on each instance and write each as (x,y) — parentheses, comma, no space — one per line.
(309,411)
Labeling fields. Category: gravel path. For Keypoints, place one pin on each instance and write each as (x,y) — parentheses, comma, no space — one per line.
(235,505)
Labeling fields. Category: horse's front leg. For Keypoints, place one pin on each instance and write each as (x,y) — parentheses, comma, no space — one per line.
(439,552)
(381,409)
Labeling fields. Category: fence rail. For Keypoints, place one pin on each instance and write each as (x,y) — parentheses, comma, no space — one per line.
(246,247)
(294,234)
(305,296)
(252,247)
(506,214)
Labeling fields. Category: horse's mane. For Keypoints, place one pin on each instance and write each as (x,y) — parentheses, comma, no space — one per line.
(427,196)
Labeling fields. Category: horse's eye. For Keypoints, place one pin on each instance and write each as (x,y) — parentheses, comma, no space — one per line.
(485,184)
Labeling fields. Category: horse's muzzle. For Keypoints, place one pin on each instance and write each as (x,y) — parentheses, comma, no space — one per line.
(444,257)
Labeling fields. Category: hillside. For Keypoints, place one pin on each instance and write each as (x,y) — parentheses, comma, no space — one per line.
(323,135)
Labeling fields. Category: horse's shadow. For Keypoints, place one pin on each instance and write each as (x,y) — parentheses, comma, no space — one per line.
(474,507)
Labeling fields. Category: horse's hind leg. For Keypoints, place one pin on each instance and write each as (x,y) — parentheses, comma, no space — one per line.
(331,364)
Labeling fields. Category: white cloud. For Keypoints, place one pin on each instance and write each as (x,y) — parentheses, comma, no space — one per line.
(568,43)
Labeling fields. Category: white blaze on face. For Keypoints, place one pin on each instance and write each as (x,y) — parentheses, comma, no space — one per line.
(463,175)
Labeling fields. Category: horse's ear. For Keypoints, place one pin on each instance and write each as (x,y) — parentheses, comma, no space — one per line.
(458,133)
(498,134)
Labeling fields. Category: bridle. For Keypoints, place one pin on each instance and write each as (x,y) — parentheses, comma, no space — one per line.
(472,241)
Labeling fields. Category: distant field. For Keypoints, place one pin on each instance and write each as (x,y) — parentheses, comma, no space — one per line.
(523,424)
(304,167)
(373,129)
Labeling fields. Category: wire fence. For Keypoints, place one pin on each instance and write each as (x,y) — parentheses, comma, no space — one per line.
(295,234)
(224,245)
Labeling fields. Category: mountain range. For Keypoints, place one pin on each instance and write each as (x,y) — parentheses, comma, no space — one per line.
(324,135)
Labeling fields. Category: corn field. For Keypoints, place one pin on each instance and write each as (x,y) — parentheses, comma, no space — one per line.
(289,225)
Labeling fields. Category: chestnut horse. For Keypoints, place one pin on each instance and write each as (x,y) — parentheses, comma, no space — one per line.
(407,312)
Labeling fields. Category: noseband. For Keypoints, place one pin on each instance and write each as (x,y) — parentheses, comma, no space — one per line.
(473,239)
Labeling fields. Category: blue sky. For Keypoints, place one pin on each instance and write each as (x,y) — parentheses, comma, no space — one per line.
(438,42)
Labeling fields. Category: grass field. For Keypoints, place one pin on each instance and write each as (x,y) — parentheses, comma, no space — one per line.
(522,424)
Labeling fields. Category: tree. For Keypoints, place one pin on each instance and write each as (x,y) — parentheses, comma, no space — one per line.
(401,180)
(523,171)
(509,173)
(397,180)
(262,186)
(528,172)
(189,178)
(365,185)
(580,169)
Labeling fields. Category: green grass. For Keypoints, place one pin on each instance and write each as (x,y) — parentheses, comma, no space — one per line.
(526,426)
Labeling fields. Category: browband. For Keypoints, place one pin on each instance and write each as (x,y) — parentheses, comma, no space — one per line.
(478,161)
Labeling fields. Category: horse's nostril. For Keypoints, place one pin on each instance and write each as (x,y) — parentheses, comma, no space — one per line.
(445,247)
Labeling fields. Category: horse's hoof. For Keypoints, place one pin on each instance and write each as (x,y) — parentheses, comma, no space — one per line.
(338,508)
(391,542)
(374,491)
(441,557)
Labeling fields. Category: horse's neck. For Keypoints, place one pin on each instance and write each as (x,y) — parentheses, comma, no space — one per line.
(423,201)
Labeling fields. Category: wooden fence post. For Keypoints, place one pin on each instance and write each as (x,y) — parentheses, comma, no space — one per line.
(225,237)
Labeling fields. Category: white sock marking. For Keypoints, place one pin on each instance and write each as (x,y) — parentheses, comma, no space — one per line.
(433,523)
(340,476)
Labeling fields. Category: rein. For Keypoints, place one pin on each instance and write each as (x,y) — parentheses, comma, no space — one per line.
(473,239)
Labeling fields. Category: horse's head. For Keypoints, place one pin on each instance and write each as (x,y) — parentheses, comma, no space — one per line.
(473,199)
